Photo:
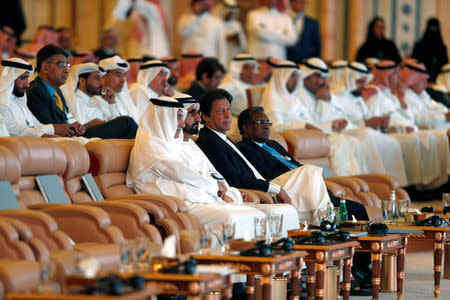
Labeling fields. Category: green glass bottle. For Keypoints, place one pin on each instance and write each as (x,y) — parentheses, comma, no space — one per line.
(343,211)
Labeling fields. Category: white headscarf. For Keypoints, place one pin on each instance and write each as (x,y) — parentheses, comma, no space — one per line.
(337,67)
(147,72)
(69,88)
(314,65)
(124,103)
(347,82)
(443,80)
(11,70)
(282,107)
(155,138)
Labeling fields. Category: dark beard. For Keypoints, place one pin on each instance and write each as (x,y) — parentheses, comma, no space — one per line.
(17,93)
(193,130)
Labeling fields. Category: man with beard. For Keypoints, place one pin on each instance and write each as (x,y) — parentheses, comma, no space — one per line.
(174,67)
(114,82)
(208,74)
(13,106)
(90,115)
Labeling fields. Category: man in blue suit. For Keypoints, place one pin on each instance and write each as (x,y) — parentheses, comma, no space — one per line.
(308,40)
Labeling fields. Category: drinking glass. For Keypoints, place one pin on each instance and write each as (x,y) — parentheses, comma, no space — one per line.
(260,227)
(337,216)
(388,209)
(127,254)
(48,284)
(142,253)
(275,225)
(446,203)
(402,209)
(228,230)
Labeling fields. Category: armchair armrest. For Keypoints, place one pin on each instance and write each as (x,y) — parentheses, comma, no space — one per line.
(334,188)
(251,196)
(43,227)
(108,255)
(85,224)
(19,275)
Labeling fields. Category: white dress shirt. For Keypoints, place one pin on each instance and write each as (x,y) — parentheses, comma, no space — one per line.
(85,109)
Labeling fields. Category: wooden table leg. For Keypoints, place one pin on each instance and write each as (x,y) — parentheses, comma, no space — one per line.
(400,272)
(376,274)
(310,279)
(438,249)
(226,294)
(320,280)
(337,264)
(250,287)
(346,274)
(267,287)
(295,284)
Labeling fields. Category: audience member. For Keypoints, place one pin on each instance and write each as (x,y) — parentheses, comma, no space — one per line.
(291,187)
(336,68)
(65,40)
(203,32)
(269,31)
(8,43)
(431,49)
(209,74)
(240,76)
(174,67)
(188,65)
(13,101)
(151,83)
(108,44)
(376,45)
(308,42)
(440,90)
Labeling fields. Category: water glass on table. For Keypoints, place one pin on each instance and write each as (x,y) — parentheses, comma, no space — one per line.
(260,223)
(275,225)
(388,209)
(228,231)
(402,209)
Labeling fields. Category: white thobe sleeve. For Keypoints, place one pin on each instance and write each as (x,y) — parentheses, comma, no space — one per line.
(15,128)
(174,170)
(140,99)
(110,111)
(259,28)
(189,23)
(435,115)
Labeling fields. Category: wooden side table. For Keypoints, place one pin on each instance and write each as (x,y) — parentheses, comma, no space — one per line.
(316,260)
(439,235)
(264,266)
(377,245)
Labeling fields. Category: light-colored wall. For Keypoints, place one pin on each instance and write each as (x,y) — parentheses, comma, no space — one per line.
(343,22)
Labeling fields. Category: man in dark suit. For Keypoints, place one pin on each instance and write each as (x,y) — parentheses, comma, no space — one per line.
(208,74)
(223,154)
(44,98)
(308,41)
(46,101)
(272,160)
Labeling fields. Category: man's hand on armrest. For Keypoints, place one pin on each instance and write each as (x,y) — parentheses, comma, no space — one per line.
(65,130)
(222,190)
(283,197)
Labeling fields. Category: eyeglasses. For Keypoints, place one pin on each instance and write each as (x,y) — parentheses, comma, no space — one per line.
(263,122)
(61,64)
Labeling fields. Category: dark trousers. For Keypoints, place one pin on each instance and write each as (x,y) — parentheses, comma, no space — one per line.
(360,260)
(119,128)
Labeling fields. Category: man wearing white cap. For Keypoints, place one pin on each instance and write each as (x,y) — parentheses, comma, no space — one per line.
(269,31)
(203,32)
(85,109)
(151,83)
(240,76)
(114,82)
(157,165)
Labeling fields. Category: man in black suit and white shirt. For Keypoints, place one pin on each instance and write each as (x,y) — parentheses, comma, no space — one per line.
(291,187)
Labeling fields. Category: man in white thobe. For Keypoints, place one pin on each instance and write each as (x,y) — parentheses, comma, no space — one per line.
(349,91)
(197,160)
(425,111)
(203,32)
(157,165)
(236,39)
(336,67)
(269,31)
(115,88)
(151,83)
(150,36)
(14,112)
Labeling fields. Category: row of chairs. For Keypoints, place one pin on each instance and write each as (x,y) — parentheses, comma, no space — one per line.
(34,230)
